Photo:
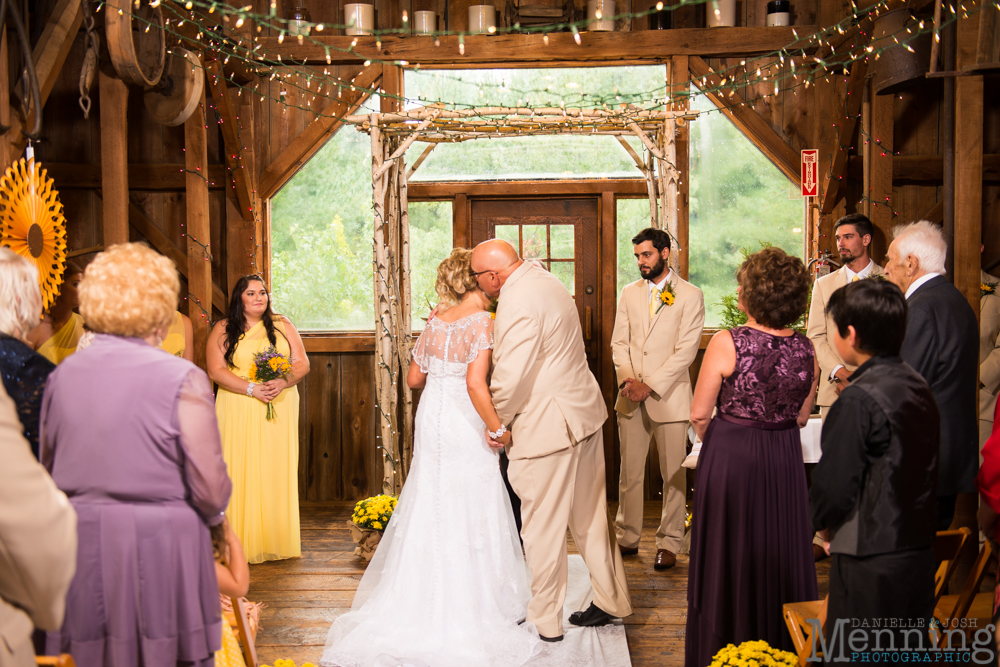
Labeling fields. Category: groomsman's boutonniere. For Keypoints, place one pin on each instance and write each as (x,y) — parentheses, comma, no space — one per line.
(876,276)
(667,297)
(986,289)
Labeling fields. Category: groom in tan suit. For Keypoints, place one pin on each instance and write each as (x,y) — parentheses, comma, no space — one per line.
(551,403)
(653,345)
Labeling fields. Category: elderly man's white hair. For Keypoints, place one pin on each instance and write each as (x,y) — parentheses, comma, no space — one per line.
(20,295)
(924,241)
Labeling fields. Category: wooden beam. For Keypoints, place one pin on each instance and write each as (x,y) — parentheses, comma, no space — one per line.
(49,55)
(836,154)
(746,119)
(6,158)
(643,45)
(630,187)
(877,149)
(680,75)
(232,145)
(631,153)
(323,127)
(243,246)
(968,186)
(156,177)
(198,230)
(114,158)
(419,161)
(908,169)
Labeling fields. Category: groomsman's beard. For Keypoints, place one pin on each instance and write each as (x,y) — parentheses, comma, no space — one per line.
(657,270)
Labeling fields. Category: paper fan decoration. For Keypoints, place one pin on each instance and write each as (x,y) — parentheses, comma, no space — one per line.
(32,223)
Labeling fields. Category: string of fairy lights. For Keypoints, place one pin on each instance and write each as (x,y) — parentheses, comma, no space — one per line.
(236,34)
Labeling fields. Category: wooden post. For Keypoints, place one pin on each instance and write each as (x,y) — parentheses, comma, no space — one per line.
(968,186)
(878,169)
(198,231)
(114,158)
(5,141)
(243,236)
(680,84)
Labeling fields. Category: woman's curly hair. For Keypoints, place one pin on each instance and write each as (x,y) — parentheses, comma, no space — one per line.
(774,287)
(454,278)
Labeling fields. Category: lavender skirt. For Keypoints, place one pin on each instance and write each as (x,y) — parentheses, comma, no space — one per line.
(145,591)
(751,540)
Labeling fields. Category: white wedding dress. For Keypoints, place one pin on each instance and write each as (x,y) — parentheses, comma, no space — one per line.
(447,585)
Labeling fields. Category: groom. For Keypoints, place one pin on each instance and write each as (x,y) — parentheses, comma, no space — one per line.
(545,393)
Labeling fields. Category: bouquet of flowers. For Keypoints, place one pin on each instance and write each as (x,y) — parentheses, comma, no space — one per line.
(374,513)
(269,365)
(753,654)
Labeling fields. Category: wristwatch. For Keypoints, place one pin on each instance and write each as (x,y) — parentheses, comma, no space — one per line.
(496,434)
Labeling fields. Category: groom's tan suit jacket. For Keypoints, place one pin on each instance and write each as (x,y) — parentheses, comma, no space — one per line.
(663,360)
(542,386)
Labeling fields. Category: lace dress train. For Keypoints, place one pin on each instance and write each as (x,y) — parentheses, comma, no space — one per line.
(447,585)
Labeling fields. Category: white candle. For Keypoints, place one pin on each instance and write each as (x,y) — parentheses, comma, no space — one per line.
(424,22)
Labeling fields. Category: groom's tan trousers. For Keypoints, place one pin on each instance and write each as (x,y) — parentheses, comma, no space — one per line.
(567,488)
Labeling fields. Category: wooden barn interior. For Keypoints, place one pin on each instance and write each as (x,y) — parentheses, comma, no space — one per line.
(200,192)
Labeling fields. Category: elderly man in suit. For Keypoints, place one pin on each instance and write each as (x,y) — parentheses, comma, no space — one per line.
(854,236)
(37,544)
(656,337)
(547,397)
(989,354)
(941,345)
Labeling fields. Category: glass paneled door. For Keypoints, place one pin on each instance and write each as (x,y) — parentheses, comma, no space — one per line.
(562,236)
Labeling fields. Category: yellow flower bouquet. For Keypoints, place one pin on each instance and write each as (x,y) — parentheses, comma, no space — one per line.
(269,365)
(754,654)
(368,521)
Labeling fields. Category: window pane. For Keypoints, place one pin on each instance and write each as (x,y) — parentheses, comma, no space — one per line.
(535,242)
(565,271)
(633,216)
(739,199)
(508,233)
(537,157)
(561,240)
(430,240)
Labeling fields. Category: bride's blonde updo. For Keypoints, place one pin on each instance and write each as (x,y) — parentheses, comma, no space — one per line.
(454,278)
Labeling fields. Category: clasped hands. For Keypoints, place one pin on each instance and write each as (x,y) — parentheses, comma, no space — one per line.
(265,392)
(636,391)
(498,443)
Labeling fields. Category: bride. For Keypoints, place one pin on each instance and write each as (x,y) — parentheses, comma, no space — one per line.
(447,585)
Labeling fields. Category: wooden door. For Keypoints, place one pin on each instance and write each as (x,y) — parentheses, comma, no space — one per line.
(563,235)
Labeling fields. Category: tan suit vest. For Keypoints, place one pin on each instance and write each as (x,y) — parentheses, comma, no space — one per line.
(542,385)
(820,330)
(658,351)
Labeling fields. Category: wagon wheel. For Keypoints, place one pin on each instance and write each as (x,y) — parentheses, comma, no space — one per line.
(135,41)
(177,95)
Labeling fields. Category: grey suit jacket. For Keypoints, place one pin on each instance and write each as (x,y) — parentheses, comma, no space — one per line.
(37,544)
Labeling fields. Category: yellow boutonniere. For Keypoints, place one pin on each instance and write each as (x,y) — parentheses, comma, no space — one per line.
(667,297)
(985,289)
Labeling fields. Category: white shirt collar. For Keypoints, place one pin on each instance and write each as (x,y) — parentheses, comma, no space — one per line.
(918,282)
(660,285)
(862,274)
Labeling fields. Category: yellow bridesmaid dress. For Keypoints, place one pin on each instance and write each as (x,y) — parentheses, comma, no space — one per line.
(174,340)
(262,457)
(230,655)
(63,342)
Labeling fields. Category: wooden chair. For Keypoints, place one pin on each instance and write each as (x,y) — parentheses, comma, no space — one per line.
(240,623)
(64,660)
(952,610)
(947,546)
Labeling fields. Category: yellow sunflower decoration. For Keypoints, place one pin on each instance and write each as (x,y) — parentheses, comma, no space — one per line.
(32,223)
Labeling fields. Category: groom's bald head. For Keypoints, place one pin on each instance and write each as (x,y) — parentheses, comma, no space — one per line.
(494,261)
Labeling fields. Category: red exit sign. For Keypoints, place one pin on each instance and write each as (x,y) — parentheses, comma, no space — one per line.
(810,172)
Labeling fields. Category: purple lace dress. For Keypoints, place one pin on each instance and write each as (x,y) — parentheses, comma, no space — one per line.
(751,541)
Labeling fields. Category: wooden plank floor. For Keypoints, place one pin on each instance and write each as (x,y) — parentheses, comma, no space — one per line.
(304,595)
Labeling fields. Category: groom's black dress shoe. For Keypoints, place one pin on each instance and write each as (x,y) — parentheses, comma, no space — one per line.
(628,551)
(590,618)
(550,639)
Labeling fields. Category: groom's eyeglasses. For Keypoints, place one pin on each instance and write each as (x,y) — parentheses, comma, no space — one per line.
(474,274)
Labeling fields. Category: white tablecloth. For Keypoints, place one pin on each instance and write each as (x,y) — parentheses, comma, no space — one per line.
(810,434)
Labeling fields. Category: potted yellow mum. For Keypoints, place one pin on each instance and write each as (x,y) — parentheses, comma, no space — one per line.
(754,654)
(368,522)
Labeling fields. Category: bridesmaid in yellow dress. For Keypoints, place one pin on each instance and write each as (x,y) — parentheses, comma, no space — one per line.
(179,340)
(262,456)
(60,330)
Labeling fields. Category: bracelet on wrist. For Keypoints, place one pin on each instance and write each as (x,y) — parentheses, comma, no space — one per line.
(250,389)
(499,432)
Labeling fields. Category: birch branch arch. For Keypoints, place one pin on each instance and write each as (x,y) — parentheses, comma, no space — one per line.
(392,134)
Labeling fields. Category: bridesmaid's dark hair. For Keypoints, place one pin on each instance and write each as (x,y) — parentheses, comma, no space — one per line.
(236,319)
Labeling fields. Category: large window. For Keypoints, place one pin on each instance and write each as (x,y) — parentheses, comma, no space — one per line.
(430,242)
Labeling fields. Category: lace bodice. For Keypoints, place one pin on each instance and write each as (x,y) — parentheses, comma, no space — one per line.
(772,377)
(447,348)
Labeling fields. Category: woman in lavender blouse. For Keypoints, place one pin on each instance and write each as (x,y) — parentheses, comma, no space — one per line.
(128,432)
(751,548)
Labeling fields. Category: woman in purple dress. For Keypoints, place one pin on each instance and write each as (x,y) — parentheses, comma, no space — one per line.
(751,548)
(128,432)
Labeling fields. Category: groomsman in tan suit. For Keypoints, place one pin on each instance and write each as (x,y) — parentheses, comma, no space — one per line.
(653,346)
(854,236)
(552,413)
(989,356)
